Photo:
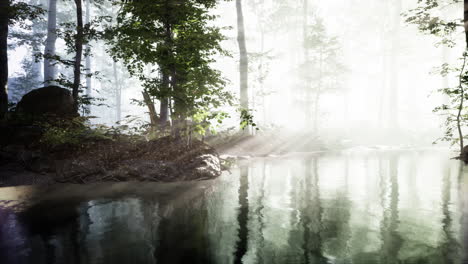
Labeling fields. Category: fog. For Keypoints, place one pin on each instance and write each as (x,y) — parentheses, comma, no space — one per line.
(377,84)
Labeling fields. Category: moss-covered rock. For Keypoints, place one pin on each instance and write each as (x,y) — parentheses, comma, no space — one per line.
(50,100)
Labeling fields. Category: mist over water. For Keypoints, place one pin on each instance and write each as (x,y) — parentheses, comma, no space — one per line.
(360,207)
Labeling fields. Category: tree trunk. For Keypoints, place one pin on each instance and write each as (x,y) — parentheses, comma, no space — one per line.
(462,101)
(118,93)
(318,94)
(152,110)
(383,89)
(393,96)
(262,77)
(462,95)
(88,57)
(4,6)
(79,52)
(306,106)
(316,111)
(465,18)
(164,106)
(244,62)
(36,49)
(49,51)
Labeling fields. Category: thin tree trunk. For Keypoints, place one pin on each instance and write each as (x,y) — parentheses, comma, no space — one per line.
(305,22)
(79,52)
(244,62)
(49,51)
(460,106)
(462,95)
(118,93)
(262,76)
(316,110)
(164,106)
(383,90)
(465,18)
(393,96)
(36,49)
(4,6)
(152,110)
(318,93)
(88,57)
(179,116)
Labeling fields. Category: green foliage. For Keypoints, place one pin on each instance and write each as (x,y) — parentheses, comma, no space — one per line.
(170,46)
(428,19)
(247,119)
(62,132)
(67,31)
(20,12)
(454,110)
(426,16)
(76,132)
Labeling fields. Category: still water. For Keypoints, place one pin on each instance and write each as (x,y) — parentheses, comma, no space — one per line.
(361,206)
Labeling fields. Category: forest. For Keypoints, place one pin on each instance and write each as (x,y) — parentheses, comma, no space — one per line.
(233,131)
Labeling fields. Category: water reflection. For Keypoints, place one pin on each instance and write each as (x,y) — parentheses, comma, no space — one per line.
(373,207)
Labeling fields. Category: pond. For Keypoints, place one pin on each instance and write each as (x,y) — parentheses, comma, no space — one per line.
(355,206)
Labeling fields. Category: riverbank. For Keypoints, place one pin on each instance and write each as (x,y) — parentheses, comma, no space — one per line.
(116,160)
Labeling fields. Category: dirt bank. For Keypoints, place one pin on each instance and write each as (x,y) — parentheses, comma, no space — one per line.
(125,159)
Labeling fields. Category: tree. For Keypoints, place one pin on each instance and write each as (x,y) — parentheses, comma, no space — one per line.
(118,93)
(38,29)
(87,54)
(169,46)
(259,61)
(426,17)
(10,13)
(305,28)
(49,50)
(243,62)
(393,85)
(322,69)
(4,20)
(79,52)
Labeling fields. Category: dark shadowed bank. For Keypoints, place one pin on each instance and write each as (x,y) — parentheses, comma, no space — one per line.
(45,141)
(161,160)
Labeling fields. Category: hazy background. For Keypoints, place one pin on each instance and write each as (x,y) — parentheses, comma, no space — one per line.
(382,56)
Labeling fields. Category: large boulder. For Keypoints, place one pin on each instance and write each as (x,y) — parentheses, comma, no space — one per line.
(50,100)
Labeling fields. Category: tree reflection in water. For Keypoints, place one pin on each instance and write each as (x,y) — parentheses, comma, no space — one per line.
(382,207)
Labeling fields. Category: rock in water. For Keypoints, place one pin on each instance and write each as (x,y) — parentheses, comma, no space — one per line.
(50,100)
